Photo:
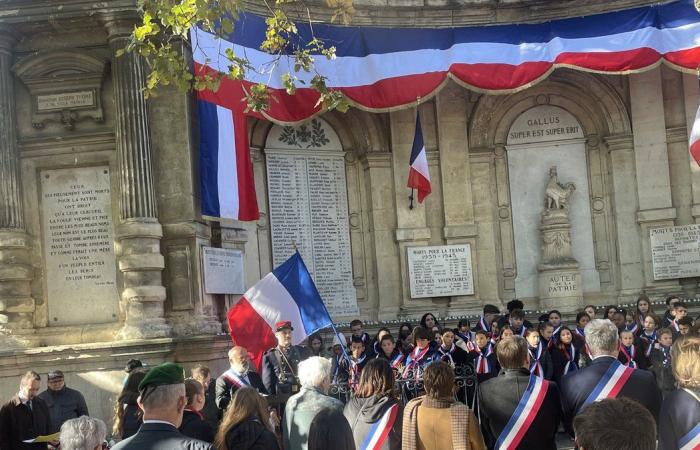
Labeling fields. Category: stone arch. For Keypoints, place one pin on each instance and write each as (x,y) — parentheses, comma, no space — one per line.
(602,113)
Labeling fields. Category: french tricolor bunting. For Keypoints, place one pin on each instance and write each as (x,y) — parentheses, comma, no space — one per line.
(287,293)
(418,173)
(694,144)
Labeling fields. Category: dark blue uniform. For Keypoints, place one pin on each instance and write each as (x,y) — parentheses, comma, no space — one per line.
(680,412)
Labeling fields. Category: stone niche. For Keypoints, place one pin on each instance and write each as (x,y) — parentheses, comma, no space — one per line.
(65,87)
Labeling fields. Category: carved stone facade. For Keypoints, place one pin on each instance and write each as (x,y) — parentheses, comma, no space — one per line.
(67,102)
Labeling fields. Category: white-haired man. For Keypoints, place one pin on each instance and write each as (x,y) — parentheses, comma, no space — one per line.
(83,433)
(237,376)
(315,379)
(605,376)
(162,399)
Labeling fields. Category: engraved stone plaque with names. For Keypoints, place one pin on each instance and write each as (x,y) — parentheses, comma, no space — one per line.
(308,207)
(440,271)
(52,102)
(79,245)
(675,251)
(223,271)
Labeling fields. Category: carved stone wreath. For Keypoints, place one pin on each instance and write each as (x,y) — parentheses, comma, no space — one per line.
(303,136)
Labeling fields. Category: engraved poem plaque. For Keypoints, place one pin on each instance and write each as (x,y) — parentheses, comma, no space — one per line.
(223,271)
(79,246)
(675,251)
(440,271)
(308,207)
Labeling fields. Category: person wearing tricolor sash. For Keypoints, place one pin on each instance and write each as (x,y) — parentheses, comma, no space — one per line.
(237,376)
(464,338)
(517,322)
(518,409)
(679,421)
(661,361)
(631,354)
(648,336)
(605,376)
(484,359)
(357,361)
(582,319)
(490,312)
(374,412)
(389,352)
(540,360)
(565,354)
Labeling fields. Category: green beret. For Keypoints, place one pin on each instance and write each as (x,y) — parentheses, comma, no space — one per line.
(166,373)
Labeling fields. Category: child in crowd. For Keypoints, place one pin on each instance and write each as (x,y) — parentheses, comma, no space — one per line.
(506,331)
(405,339)
(582,320)
(356,329)
(357,362)
(540,360)
(565,354)
(669,315)
(339,363)
(490,313)
(463,335)
(661,361)
(684,326)
(648,335)
(679,312)
(375,349)
(555,320)
(590,310)
(546,330)
(451,353)
(485,362)
(389,351)
(643,309)
(630,353)
(495,332)
(609,311)
(422,355)
(517,322)
(631,324)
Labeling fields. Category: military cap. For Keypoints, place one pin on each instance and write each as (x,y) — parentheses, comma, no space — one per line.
(283,324)
(163,374)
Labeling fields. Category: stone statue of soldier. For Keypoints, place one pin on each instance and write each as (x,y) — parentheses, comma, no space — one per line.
(279,364)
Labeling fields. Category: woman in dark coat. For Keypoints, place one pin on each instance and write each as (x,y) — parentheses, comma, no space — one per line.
(246,425)
(127,414)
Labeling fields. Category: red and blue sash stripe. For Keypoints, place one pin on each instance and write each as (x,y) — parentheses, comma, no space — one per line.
(379,432)
(611,383)
(235,379)
(524,414)
(690,441)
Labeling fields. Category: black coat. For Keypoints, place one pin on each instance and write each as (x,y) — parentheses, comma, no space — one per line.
(545,361)
(498,399)
(161,436)
(559,361)
(64,405)
(132,420)
(18,423)
(194,426)
(251,435)
(680,412)
(225,389)
(577,386)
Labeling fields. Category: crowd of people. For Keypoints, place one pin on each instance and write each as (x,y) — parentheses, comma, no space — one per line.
(625,380)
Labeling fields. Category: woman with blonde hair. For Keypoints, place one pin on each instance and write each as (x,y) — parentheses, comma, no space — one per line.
(679,419)
(245,425)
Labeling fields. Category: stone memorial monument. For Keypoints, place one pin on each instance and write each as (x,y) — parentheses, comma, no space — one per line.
(559,274)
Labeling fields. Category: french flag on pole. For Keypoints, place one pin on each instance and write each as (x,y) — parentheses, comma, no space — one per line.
(694,144)
(286,294)
(226,172)
(418,173)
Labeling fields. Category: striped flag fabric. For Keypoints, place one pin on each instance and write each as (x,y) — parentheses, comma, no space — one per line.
(380,68)
(226,172)
(286,294)
(694,144)
(418,172)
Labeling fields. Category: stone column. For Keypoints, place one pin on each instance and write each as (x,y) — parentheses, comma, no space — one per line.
(651,164)
(139,233)
(16,302)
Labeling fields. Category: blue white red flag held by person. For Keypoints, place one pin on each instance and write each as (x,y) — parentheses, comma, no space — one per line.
(287,293)
(418,173)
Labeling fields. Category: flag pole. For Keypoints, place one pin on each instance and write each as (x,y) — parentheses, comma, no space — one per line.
(410,198)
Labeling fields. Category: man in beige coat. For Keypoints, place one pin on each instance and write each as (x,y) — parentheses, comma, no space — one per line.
(436,420)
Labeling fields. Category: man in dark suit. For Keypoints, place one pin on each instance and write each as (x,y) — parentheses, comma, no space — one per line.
(237,376)
(576,387)
(163,401)
(500,397)
(25,416)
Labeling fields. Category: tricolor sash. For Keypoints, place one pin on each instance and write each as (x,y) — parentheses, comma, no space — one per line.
(651,339)
(484,326)
(355,370)
(465,337)
(570,354)
(379,432)
(413,359)
(524,414)
(690,441)
(633,328)
(629,355)
(675,326)
(611,383)
(580,332)
(482,362)
(447,355)
(235,379)
(396,362)
(535,365)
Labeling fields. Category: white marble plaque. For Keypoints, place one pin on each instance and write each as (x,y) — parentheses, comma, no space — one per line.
(440,271)
(309,209)
(223,271)
(50,102)
(79,246)
(544,124)
(675,251)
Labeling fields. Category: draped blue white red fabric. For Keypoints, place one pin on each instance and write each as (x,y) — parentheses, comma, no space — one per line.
(381,69)
(418,171)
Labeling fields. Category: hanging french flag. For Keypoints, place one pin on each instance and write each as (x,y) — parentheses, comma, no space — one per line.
(226,172)
(418,173)
(694,144)
(286,294)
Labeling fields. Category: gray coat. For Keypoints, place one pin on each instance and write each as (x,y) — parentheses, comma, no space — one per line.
(300,411)
(161,436)
(64,405)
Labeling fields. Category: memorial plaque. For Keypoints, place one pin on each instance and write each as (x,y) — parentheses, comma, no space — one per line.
(542,124)
(223,271)
(675,251)
(51,102)
(440,271)
(309,209)
(79,246)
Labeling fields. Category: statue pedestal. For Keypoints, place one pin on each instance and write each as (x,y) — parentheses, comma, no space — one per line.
(559,276)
